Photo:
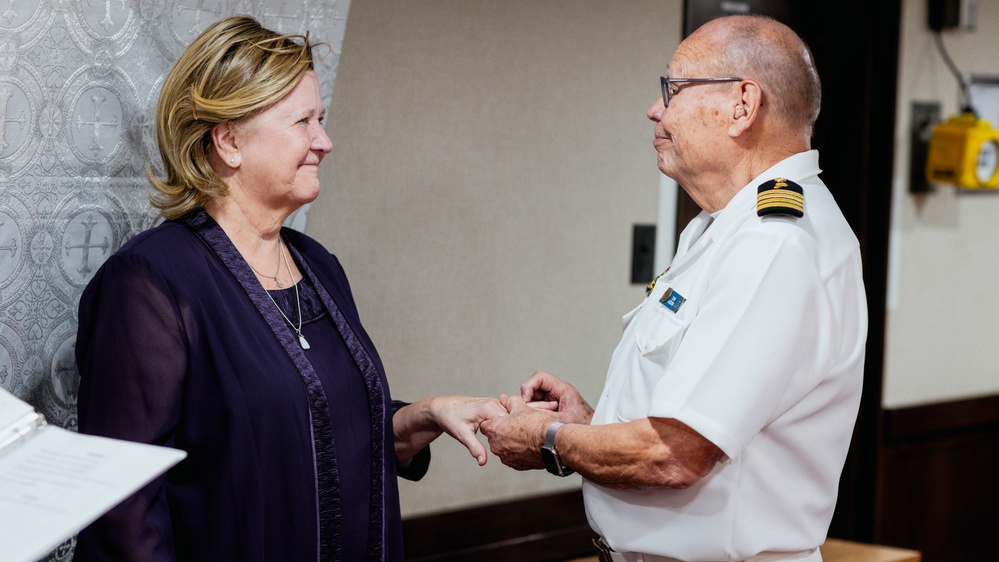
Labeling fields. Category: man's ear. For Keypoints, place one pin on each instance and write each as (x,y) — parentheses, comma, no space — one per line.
(746,109)
(224,141)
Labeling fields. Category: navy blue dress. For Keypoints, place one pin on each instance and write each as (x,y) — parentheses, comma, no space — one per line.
(290,452)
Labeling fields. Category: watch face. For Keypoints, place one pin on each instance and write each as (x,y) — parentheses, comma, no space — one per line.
(988,161)
(551,463)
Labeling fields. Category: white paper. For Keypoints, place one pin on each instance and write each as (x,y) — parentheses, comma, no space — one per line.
(55,482)
(12,409)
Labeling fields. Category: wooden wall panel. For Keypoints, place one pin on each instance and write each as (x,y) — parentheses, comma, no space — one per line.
(541,529)
(939,480)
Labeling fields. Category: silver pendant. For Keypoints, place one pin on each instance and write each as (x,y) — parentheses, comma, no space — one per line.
(304,342)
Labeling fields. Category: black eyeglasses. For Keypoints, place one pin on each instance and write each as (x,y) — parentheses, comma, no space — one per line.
(668,82)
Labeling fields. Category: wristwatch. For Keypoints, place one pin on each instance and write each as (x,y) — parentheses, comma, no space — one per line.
(553,463)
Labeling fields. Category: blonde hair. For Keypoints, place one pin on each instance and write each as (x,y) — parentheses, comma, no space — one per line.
(233,69)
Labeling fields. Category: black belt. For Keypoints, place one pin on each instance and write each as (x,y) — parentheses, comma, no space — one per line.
(603,550)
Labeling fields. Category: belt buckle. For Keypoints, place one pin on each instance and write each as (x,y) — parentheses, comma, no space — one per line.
(603,549)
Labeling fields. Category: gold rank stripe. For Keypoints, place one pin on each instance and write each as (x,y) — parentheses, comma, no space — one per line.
(771,205)
(780,202)
(766,201)
(781,194)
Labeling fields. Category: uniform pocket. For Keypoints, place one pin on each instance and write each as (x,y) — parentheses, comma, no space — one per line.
(656,327)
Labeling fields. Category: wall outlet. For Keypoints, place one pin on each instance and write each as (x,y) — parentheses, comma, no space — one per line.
(925,115)
(944,15)
(643,253)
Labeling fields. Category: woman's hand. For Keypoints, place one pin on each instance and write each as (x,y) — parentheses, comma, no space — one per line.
(415,426)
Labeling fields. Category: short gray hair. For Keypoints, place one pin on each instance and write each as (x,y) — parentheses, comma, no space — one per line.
(764,50)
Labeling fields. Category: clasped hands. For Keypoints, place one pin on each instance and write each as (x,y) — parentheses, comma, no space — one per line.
(514,424)
(668,453)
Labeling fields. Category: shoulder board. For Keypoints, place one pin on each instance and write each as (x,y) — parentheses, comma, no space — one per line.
(780,196)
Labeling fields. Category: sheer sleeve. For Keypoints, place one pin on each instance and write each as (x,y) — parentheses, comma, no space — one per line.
(131,353)
(415,468)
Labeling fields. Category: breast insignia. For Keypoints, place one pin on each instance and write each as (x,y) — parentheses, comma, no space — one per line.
(780,197)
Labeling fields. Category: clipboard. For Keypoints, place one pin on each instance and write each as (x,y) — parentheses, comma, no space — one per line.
(54,482)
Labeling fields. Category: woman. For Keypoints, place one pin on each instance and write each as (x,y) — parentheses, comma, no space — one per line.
(222,334)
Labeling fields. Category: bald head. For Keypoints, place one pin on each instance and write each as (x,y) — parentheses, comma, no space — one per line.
(766,51)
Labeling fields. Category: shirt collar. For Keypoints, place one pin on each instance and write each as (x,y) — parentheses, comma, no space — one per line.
(800,167)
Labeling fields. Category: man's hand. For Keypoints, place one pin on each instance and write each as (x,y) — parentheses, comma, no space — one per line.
(644,453)
(545,387)
(517,438)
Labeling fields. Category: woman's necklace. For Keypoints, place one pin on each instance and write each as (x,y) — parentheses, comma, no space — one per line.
(277,281)
(301,339)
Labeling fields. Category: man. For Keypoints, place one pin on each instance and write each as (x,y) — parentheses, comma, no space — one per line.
(729,404)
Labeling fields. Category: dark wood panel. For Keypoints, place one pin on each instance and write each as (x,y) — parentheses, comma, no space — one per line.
(542,529)
(923,422)
(938,480)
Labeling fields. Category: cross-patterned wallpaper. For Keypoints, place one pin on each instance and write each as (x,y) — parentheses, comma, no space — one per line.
(79,80)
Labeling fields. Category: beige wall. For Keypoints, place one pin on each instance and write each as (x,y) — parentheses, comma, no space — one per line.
(489,161)
(943,303)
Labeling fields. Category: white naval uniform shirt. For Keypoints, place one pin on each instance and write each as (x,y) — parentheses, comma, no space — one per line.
(764,358)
